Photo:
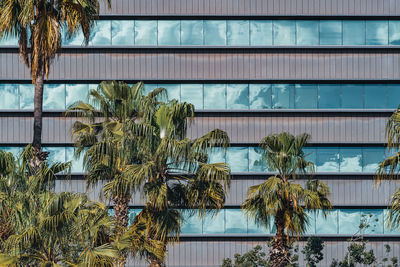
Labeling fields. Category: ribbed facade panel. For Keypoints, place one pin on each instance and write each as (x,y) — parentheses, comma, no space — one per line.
(212,64)
(253,8)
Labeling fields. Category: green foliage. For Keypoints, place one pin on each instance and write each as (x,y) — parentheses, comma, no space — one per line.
(253,258)
(313,251)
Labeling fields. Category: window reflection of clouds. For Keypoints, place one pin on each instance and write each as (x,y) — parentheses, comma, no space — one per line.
(101,33)
(238,159)
(260,96)
(284,32)
(350,159)
(9,96)
(394,32)
(214,96)
(238,32)
(330,32)
(76,163)
(192,93)
(261,32)
(214,224)
(328,225)
(238,225)
(327,159)
(307,32)
(215,32)
(54,96)
(283,96)
(169,32)
(76,92)
(145,32)
(237,96)
(123,32)
(26,94)
(349,221)
(192,32)
(377,32)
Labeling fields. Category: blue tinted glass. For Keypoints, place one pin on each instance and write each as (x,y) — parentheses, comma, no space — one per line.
(327,159)
(328,225)
(238,32)
(236,221)
(393,95)
(373,221)
(192,93)
(191,32)
(375,95)
(237,96)
(352,96)
(261,32)
(145,32)
(16,151)
(9,40)
(173,91)
(76,92)
(215,32)
(56,154)
(122,32)
(238,159)
(377,32)
(353,32)
(132,214)
(54,96)
(310,227)
(26,94)
(349,221)
(214,224)
(307,32)
(214,96)
(101,33)
(169,32)
(192,224)
(217,155)
(371,158)
(282,96)
(260,96)
(306,96)
(330,32)
(77,163)
(256,162)
(311,154)
(350,159)
(389,230)
(394,32)
(77,39)
(329,96)
(284,32)
(148,87)
(9,96)
(253,228)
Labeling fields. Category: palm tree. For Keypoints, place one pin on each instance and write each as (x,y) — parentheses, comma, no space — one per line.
(279,200)
(174,173)
(42,21)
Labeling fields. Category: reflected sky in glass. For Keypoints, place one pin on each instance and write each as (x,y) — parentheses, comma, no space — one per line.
(54,96)
(352,96)
(237,225)
(214,224)
(307,32)
(306,96)
(371,158)
(377,32)
(76,40)
(350,159)
(353,32)
(260,96)
(26,94)
(238,159)
(282,96)
(349,221)
(330,32)
(192,224)
(10,40)
(327,159)
(76,92)
(375,95)
(237,96)
(310,154)
(373,218)
(261,32)
(16,151)
(214,96)
(238,32)
(217,155)
(215,32)
(328,225)
(256,162)
(284,32)
(329,96)
(169,32)
(123,32)
(173,91)
(310,227)
(77,163)
(101,33)
(192,32)
(9,96)
(394,32)
(145,32)
(393,95)
(57,154)
(192,93)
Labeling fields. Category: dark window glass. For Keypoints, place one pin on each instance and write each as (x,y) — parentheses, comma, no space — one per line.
(9,96)
(330,32)
(394,32)
(350,159)
(329,96)
(377,32)
(349,221)
(101,33)
(306,96)
(327,159)
(375,96)
(261,32)
(371,158)
(352,96)
(76,92)
(145,32)
(238,159)
(307,32)
(238,32)
(191,32)
(123,32)
(260,96)
(237,96)
(284,32)
(54,96)
(215,32)
(214,96)
(169,32)
(283,96)
(354,32)
(192,93)
(393,95)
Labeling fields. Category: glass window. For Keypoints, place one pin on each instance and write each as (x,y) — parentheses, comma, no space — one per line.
(145,32)
(307,32)
(16,151)
(353,32)
(122,32)
(56,154)
(352,96)
(217,155)
(9,40)
(389,230)
(148,87)
(375,96)
(26,94)
(101,33)
(214,96)
(192,93)
(9,96)
(394,32)
(237,96)
(173,91)
(253,228)
(238,159)
(329,96)
(328,225)
(214,224)
(371,158)
(350,159)
(393,95)
(310,227)
(256,162)
(284,32)
(191,32)
(54,96)
(132,215)
(77,39)
(377,32)
(373,221)
(283,96)
(327,159)
(330,32)
(261,32)
(192,224)
(76,92)
(306,96)
(215,32)
(310,154)
(236,221)
(76,163)
(238,32)
(169,32)
(260,96)
(349,221)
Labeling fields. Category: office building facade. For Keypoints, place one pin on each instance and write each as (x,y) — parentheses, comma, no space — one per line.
(330,68)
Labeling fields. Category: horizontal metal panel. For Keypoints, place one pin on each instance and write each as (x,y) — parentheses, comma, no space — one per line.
(253,7)
(241,128)
(212,64)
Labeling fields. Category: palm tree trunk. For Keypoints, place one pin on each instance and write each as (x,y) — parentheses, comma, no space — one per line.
(279,253)
(38,109)
(121,213)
